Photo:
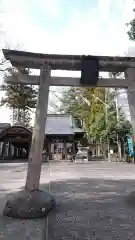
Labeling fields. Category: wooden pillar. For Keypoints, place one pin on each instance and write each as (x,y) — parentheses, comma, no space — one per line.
(6,150)
(130,76)
(65,148)
(21,152)
(15,151)
(18,152)
(73,149)
(9,151)
(35,155)
(1,146)
(27,151)
(3,151)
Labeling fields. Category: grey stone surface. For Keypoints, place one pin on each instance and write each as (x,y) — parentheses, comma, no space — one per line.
(15,229)
(12,180)
(35,204)
(130,199)
(91,201)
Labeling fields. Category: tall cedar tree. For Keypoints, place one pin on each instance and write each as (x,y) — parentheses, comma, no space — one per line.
(20,97)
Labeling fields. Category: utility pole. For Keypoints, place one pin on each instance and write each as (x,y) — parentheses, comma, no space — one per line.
(106,122)
(117,116)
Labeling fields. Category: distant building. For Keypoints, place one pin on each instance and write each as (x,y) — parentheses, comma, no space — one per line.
(61,133)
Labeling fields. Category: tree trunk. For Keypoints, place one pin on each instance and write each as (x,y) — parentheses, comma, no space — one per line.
(119,152)
(35,155)
(98,149)
(105,151)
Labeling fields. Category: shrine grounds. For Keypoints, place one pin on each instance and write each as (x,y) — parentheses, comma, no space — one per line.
(91,201)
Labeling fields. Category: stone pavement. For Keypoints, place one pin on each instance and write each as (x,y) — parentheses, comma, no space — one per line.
(13,179)
(90,202)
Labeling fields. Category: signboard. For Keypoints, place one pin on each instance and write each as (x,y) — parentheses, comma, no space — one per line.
(130,147)
(89,71)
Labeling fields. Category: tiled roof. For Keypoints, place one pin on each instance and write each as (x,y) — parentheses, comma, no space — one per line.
(59,124)
(56,124)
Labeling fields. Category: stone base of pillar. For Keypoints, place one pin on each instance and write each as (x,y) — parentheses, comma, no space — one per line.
(29,205)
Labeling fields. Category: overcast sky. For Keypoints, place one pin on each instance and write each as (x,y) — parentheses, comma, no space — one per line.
(66,26)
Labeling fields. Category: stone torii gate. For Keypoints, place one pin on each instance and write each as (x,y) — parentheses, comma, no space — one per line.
(90,66)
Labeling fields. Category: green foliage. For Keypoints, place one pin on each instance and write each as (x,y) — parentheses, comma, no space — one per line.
(131,31)
(97,110)
(19,96)
(69,102)
(21,116)
(22,97)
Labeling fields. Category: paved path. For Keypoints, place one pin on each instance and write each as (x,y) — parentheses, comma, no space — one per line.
(12,179)
(90,198)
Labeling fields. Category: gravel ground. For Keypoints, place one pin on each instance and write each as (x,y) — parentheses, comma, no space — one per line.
(90,202)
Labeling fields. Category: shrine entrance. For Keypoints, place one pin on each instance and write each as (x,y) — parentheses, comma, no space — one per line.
(90,68)
(60,147)
(57,149)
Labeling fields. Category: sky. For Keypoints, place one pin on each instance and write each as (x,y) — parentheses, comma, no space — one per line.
(65,27)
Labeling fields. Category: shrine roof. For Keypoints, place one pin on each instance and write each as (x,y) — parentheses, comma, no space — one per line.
(59,124)
(56,124)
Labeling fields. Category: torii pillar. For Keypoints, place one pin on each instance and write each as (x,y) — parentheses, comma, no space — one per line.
(130,76)
(35,155)
(32,202)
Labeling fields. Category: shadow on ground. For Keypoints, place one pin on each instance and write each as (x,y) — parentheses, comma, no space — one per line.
(86,209)
(91,209)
